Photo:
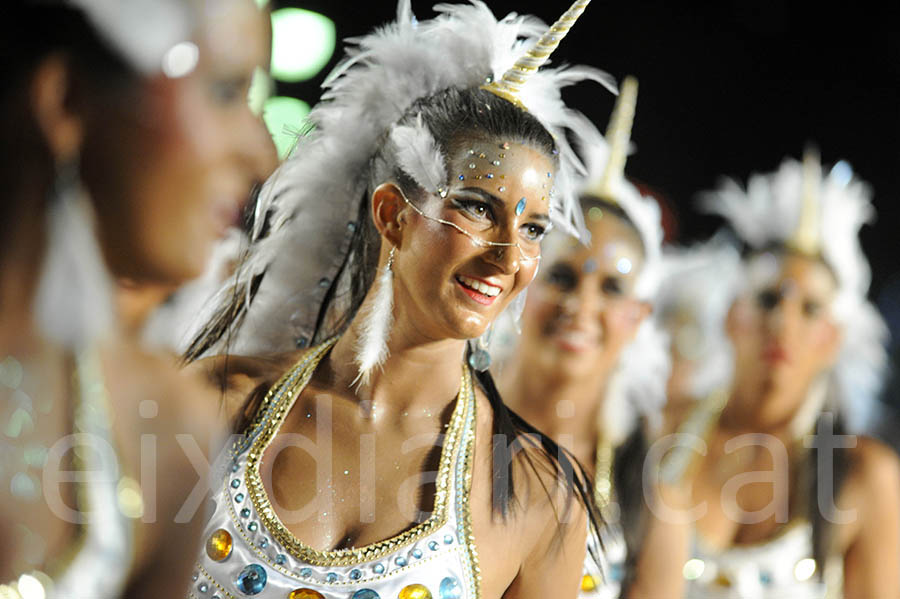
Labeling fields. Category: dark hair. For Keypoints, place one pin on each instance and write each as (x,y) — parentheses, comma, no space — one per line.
(452,116)
(29,33)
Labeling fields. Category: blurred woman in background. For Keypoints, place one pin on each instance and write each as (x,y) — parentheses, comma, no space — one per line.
(127,149)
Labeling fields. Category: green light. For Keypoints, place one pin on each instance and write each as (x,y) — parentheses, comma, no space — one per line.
(302,43)
(284,118)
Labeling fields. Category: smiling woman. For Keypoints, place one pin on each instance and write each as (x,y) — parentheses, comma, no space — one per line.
(404,224)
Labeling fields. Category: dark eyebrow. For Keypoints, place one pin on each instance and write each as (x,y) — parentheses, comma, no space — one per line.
(543,219)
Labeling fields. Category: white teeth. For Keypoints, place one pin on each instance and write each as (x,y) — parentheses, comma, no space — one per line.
(483,288)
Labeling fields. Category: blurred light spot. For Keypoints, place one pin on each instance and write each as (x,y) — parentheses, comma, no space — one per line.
(302,43)
(180,60)
(284,118)
(623,265)
(804,569)
(693,569)
(595,214)
(842,172)
(30,587)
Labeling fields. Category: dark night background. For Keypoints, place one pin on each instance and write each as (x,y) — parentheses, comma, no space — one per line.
(728,88)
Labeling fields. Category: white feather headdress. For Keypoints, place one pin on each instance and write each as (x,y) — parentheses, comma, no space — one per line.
(769,213)
(309,207)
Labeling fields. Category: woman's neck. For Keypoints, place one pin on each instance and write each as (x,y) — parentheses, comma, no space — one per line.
(564,407)
(416,373)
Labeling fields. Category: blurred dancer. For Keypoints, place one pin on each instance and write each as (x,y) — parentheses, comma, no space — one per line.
(127,148)
(786,513)
(591,368)
(407,220)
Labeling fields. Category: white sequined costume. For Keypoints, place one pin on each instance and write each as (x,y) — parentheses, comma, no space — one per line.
(249,552)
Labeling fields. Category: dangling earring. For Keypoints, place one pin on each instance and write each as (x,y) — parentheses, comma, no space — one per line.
(480,357)
(371,347)
(73,303)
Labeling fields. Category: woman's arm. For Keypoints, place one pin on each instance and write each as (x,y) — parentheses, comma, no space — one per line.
(872,559)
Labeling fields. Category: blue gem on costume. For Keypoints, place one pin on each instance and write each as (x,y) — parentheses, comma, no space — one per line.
(433,545)
(331,577)
(365,594)
(235,484)
(202,587)
(400,560)
(252,526)
(239,497)
(264,543)
(448,539)
(378,568)
(351,226)
(450,588)
(245,513)
(355,574)
(252,580)
(520,207)
(280,559)
(765,578)
(417,553)
(235,467)
(305,572)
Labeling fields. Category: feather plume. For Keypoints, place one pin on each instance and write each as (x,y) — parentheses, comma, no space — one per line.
(377,319)
(419,156)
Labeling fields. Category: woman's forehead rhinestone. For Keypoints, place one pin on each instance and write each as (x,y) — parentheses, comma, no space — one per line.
(502,189)
(496,163)
(520,207)
(504,145)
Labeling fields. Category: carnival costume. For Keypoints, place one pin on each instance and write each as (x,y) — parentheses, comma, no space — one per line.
(636,391)
(798,209)
(305,221)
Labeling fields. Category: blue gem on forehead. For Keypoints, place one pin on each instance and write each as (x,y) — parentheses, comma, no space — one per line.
(490,175)
(462,177)
(520,207)
(590,265)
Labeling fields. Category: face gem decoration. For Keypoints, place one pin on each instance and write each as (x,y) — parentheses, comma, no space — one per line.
(590,265)
(520,207)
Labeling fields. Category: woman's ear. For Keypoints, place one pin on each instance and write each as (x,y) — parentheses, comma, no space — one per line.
(388,203)
(50,93)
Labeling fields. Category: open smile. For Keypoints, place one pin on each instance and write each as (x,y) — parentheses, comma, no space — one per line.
(478,289)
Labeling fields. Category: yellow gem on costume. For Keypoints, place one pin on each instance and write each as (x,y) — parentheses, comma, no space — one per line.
(219,545)
(588,583)
(306,594)
(414,591)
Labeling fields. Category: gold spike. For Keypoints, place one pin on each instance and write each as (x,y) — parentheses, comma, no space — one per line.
(510,84)
(806,238)
(618,135)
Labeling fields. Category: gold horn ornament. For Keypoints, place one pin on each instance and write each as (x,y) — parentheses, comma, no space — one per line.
(618,135)
(806,238)
(510,84)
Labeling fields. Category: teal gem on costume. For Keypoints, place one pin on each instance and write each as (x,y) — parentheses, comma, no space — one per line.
(305,572)
(480,360)
(450,588)
(252,580)
(202,587)
(245,513)
(252,526)
(280,559)
(235,467)
(417,553)
(331,577)
(400,561)
(355,574)
(239,497)
(433,545)
(378,568)
(765,578)
(520,207)
(235,484)
(448,539)
(365,594)
(263,543)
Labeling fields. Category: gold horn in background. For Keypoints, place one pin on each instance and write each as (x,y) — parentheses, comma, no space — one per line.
(806,238)
(618,136)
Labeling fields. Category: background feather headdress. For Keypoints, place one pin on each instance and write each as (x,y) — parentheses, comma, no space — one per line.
(768,213)
(300,239)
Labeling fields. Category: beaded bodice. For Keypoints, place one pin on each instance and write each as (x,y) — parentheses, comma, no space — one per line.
(250,553)
(603,580)
(782,566)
